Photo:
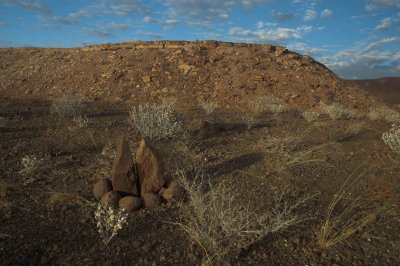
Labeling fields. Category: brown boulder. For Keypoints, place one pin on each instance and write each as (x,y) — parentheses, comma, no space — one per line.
(150,168)
(174,192)
(123,176)
(150,200)
(111,198)
(102,187)
(129,203)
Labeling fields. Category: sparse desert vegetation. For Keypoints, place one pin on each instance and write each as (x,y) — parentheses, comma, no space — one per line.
(261,181)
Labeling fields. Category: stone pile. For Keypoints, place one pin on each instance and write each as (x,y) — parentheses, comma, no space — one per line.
(139,183)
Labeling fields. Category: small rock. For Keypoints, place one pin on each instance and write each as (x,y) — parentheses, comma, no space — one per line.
(111,198)
(129,203)
(146,79)
(150,200)
(174,192)
(102,187)
(146,248)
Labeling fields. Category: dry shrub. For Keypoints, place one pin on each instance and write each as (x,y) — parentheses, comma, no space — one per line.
(351,130)
(392,138)
(287,153)
(335,110)
(271,104)
(155,121)
(220,223)
(385,113)
(65,199)
(352,208)
(310,115)
(208,106)
(66,106)
(58,141)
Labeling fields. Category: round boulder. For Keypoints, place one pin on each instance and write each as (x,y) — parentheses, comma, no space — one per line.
(111,198)
(129,203)
(174,192)
(150,200)
(102,187)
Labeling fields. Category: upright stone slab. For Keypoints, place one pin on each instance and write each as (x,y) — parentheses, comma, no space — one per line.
(123,176)
(150,168)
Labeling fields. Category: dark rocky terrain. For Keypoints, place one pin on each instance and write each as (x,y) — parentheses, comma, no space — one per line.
(47,210)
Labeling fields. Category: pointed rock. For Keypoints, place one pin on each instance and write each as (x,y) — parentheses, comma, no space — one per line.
(123,176)
(150,168)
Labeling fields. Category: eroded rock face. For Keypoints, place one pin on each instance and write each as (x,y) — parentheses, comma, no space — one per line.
(123,176)
(150,168)
(102,187)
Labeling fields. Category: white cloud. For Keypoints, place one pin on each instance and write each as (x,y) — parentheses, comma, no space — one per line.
(33,5)
(162,22)
(273,36)
(203,12)
(366,61)
(310,15)
(326,13)
(372,5)
(282,16)
(305,28)
(129,7)
(305,49)
(385,24)
(96,33)
(151,35)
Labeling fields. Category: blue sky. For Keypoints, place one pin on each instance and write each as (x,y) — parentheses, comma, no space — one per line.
(355,38)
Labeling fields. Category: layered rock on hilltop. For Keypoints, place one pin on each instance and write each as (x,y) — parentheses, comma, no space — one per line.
(229,74)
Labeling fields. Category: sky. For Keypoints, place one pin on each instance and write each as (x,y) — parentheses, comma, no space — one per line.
(357,39)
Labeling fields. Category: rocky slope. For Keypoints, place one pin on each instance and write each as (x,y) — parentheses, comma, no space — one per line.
(228,74)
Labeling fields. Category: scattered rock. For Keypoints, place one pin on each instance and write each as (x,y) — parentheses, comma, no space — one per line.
(150,200)
(185,68)
(150,168)
(102,187)
(129,203)
(123,176)
(146,79)
(111,198)
(174,192)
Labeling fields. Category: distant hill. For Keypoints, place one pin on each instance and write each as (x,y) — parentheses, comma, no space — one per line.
(387,89)
(228,74)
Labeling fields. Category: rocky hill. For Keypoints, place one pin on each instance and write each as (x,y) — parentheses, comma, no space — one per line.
(387,89)
(228,74)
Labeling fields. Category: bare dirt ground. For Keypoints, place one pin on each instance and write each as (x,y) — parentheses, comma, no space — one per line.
(47,213)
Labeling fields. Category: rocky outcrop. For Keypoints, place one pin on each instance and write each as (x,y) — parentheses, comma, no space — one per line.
(136,184)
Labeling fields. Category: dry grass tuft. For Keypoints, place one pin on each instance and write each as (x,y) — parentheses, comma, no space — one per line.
(286,153)
(351,209)
(221,224)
